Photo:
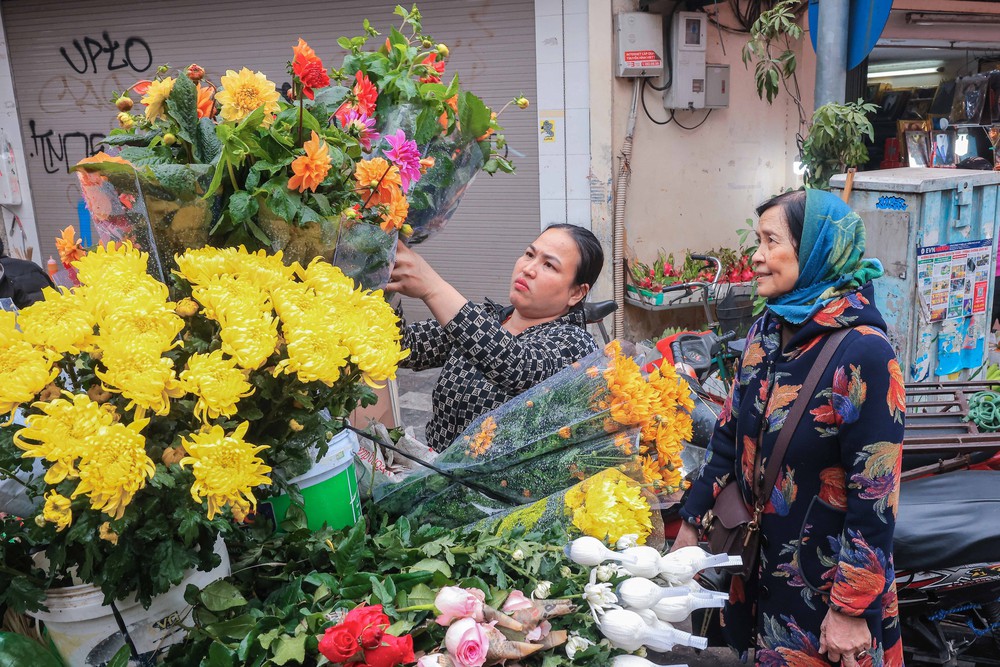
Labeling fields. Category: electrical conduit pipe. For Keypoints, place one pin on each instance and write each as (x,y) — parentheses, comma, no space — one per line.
(618,231)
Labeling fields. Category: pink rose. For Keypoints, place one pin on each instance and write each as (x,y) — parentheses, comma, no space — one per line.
(516,602)
(454,602)
(467,643)
(432,660)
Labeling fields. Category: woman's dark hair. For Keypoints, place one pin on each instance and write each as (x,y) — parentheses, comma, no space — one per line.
(793,206)
(591,253)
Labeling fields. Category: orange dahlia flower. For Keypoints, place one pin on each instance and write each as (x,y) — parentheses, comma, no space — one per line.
(366,94)
(206,101)
(309,68)
(310,169)
(379,182)
(396,210)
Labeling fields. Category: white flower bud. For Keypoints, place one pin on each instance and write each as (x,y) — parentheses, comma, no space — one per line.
(517,555)
(542,590)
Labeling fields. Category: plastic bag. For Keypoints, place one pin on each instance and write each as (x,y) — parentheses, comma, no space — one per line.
(596,414)
(457,159)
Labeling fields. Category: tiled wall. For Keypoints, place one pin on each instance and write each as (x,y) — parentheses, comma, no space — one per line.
(563,104)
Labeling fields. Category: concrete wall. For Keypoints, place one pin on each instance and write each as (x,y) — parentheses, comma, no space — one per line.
(689,190)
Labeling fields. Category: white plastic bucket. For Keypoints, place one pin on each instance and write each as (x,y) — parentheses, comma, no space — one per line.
(84,630)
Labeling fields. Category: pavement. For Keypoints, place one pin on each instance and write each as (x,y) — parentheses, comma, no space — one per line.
(415,409)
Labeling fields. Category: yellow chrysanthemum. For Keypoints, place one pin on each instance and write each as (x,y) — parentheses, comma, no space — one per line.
(226,296)
(226,470)
(249,341)
(125,292)
(139,374)
(153,326)
(244,92)
(483,440)
(115,467)
(265,270)
(60,432)
(156,97)
(62,322)
(24,371)
(314,357)
(57,510)
(198,266)
(110,259)
(218,384)
(609,505)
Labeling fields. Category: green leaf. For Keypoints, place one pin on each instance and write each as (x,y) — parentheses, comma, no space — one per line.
(289,648)
(222,595)
(279,200)
(19,651)
(207,147)
(347,557)
(234,628)
(421,594)
(242,206)
(218,656)
(182,106)
(432,565)
(473,115)
(381,591)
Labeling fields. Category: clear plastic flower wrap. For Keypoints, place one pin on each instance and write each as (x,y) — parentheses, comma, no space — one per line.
(610,505)
(161,208)
(457,159)
(598,413)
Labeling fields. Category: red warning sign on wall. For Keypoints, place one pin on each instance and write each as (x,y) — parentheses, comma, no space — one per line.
(642,59)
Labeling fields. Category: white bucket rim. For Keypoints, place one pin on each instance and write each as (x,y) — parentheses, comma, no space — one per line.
(339,456)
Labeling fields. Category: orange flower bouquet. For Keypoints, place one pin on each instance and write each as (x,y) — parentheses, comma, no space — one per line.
(332,168)
(601,412)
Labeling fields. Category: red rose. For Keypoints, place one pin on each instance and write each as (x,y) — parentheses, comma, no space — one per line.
(371,636)
(339,642)
(393,651)
(367,616)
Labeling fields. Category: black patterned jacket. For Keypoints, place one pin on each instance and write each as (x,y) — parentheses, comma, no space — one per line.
(484,365)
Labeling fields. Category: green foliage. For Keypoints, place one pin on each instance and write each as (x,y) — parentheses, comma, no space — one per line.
(836,141)
(771,49)
(286,588)
(19,651)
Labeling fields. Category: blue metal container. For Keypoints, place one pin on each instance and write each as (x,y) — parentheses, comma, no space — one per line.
(935,231)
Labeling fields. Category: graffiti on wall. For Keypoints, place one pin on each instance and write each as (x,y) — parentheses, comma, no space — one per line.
(58,151)
(89,56)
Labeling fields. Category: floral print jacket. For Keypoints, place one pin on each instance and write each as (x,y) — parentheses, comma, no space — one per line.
(828,525)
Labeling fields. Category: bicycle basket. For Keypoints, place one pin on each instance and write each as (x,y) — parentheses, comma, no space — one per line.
(735,311)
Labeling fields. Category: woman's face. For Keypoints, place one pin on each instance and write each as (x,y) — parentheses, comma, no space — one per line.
(542,283)
(776,262)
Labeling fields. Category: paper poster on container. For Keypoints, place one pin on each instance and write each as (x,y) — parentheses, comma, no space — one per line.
(953,279)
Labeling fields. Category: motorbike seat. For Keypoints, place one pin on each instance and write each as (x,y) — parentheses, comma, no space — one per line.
(948,520)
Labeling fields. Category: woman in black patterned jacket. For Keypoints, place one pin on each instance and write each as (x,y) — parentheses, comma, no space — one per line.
(489,354)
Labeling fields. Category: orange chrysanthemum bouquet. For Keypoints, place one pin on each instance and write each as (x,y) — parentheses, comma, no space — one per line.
(337,166)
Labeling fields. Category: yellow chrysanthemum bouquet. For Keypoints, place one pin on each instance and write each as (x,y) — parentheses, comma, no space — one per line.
(335,167)
(144,427)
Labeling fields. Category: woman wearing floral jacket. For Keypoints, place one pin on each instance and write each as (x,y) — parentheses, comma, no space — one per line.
(824,592)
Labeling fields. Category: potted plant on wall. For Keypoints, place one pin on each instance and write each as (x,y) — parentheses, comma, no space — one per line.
(835,135)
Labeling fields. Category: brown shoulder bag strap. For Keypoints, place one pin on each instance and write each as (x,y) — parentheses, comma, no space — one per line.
(791,424)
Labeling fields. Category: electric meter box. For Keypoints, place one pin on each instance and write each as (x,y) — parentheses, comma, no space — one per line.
(639,40)
(716,86)
(687,62)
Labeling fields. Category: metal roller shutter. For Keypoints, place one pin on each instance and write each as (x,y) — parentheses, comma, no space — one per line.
(68,57)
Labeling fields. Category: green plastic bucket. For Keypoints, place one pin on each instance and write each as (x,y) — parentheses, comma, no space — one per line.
(329,490)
